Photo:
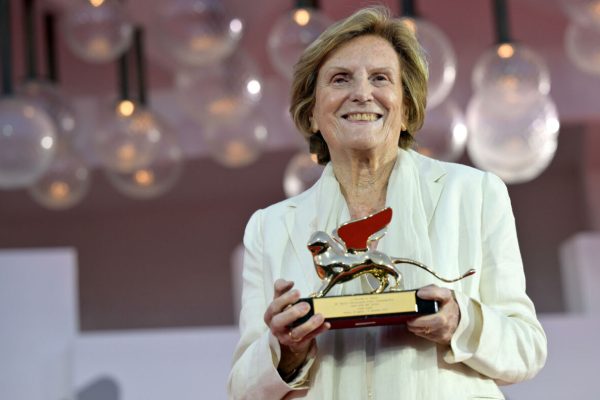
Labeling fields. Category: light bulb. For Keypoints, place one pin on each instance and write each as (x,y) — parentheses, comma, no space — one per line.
(509,67)
(515,138)
(49,98)
(301,172)
(27,142)
(238,142)
(65,183)
(196,32)
(291,34)
(129,137)
(221,92)
(98,31)
(585,12)
(582,43)
(441,59)
(154,179)
(444,134)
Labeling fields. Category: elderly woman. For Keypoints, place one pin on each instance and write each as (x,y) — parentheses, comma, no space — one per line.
(359,95)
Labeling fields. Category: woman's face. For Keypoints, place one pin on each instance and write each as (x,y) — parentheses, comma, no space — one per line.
(358,103)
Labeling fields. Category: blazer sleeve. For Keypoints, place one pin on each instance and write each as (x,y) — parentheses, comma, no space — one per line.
(499,335)
(254,372)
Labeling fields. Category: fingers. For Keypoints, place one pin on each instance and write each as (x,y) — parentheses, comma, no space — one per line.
(438,327)
(433,292)
(281,304)
(301,335)
(282,320)
(281,286)
(282,297)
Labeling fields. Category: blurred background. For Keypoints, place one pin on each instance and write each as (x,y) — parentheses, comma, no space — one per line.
(137,138)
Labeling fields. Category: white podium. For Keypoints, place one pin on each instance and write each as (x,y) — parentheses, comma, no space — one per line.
(38,323)
(580,268)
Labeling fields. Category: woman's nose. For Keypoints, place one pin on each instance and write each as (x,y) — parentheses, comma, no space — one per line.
(362,91)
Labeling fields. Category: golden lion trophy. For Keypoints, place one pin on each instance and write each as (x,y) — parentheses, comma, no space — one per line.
(346,255)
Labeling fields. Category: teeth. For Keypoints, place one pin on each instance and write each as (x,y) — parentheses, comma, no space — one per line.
(362,117)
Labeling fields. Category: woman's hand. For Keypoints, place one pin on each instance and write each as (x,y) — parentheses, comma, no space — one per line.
(295,342)
(438,327)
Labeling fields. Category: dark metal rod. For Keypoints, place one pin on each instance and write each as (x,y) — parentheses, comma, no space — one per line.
(501,21)
(123,77)
(409,8)
(5,47)
(30,40)
(307,4)
(51,57)
(140,63)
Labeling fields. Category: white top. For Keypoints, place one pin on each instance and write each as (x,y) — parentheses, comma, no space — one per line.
(448,216)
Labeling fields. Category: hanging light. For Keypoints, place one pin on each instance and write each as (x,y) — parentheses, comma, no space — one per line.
(220,93)
(27,133)
(511,68)
(155,179)
(444,133)
(513,122)
(66,181)
(157,173)
(44,93)
(238,142)
(129,135)
(514,137)
(50,98)
(440,55)
(301,172)
(27,142)
(582,42)
(196,32)
(583,12)
(98,31)
(293,32)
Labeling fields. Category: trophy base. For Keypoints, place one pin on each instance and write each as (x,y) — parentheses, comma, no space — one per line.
(359,310)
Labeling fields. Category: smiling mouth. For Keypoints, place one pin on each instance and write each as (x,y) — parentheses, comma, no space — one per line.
(369,117)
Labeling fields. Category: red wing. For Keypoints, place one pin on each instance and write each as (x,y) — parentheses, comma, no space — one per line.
(356,233)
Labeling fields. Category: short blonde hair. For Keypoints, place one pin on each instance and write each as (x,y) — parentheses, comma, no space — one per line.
(367,21)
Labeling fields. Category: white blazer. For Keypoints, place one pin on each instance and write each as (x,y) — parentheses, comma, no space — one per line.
(468,223)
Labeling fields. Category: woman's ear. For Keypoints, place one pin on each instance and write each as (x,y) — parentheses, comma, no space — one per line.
(314,127)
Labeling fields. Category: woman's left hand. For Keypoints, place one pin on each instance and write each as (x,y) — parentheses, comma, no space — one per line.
(438,327)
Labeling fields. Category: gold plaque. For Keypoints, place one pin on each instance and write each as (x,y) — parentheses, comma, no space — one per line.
(346,255)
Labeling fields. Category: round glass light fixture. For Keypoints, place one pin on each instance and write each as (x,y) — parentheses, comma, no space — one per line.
(444,134)
(156,178)
(582,43)
(301,172)
(98,30)
(586,12)
(27,142)
(509,67)
(291,34)
(441,59)
(196,32)
(49,98)
(220,93)
(129,137)
(65,183)
(516,145)
(236,143)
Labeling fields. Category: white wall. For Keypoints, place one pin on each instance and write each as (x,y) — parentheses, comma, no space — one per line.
(38,323)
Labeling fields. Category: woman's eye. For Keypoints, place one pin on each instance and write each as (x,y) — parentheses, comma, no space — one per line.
(380,78)
(339,79)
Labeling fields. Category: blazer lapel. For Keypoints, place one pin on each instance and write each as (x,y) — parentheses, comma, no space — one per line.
(431,174)
(301,223)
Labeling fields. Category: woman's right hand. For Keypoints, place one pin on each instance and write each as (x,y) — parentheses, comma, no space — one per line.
(295,343)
